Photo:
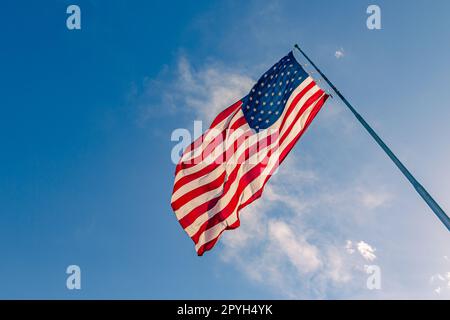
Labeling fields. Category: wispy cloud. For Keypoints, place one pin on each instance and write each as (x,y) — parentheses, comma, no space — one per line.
(208,91)
(292,240)
(303,255)
(279,246)
(203,92)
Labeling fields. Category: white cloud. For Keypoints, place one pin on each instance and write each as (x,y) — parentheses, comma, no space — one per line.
(373,200)
(340,53)
(366,251)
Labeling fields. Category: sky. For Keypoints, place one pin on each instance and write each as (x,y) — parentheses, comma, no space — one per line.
(86,172)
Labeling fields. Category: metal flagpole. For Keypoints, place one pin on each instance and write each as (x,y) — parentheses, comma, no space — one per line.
(419,188)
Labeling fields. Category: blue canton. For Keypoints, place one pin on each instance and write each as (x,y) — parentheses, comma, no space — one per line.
(266,101)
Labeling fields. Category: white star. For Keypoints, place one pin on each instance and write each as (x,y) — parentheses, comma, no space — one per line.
(267,121)
(270,112)
(264,103)
(265,76)
(262,112)
(259,92)
(273,93)
(278,102)
(252,118)
(279,93)
(257,127)
(251,98)
(271,103)
(277,112)
(254,109)
(248,107)
(262,84)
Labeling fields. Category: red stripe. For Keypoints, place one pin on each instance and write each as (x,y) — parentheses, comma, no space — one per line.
(194,193)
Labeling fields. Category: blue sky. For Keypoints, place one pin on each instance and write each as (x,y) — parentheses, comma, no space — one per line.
(86,173)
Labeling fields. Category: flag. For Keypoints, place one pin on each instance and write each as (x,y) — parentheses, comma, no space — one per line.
(227,168)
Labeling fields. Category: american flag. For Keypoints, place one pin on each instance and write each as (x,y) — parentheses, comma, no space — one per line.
(227,168)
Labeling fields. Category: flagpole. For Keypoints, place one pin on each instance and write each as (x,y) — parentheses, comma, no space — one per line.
(419,188)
